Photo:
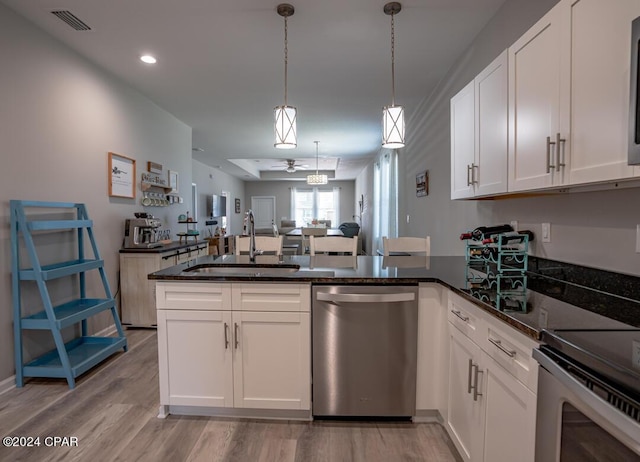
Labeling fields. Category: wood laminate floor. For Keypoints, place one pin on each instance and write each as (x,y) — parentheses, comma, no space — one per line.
(113,414)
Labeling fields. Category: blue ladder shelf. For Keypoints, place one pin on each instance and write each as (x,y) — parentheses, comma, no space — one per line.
(73,358)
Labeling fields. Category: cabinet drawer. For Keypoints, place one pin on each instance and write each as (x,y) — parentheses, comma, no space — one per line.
(193,296)
(464,316)
(271,297)
(511,350)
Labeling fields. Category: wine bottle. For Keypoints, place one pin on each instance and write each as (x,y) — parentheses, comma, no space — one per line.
(483,232)
(509,238)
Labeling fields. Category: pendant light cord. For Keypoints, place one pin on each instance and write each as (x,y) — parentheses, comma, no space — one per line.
(286,58)
(393,74)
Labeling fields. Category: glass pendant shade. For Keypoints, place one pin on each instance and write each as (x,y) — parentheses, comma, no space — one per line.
(285,127)
(316,179)
(393,127)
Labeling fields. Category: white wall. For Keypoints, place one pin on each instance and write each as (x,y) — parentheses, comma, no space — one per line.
(593,229)
(209,181)
(282,192)
(60,116)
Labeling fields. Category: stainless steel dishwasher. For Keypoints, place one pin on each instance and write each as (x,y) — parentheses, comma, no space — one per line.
(364,351)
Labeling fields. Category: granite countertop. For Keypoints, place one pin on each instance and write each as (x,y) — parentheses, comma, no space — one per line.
(175,245)
(551,302)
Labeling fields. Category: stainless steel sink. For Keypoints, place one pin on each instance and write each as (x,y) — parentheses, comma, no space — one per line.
(248,269)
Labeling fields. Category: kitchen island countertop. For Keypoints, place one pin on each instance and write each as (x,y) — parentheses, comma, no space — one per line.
(547,307)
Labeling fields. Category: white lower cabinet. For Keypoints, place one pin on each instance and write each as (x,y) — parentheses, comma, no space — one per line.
(491,413)
(214,354)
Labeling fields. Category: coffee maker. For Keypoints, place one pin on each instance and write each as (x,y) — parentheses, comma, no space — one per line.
(141,233)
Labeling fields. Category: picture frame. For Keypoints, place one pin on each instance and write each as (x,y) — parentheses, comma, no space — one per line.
(122,176)
(422,184)
(173,181)
(237,205)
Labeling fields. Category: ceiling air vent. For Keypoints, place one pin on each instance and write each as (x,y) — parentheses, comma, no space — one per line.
(71,19)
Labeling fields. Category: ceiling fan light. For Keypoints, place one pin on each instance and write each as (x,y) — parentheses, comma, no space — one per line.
(316,179)
(393,127)
(285,127)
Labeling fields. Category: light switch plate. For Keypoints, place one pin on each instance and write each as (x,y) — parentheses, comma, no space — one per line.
(546,232)
(514,225)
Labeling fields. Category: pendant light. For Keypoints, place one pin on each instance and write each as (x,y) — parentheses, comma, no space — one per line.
(285,115)
(393,116)
(317,178)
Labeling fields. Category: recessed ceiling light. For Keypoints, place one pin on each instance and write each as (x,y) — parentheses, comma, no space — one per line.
(148,59)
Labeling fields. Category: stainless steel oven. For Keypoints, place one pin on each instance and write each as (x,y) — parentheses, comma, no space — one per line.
(634,95)
(588,397)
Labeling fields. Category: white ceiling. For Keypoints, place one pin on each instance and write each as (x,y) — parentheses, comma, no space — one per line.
(221,68)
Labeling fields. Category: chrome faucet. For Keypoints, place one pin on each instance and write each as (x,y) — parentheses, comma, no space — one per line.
(252,235)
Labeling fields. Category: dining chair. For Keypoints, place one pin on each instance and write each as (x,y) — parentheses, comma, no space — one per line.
(326,223)
(307,232)
(288,248)
(409,245)
(333,244)
(263,244)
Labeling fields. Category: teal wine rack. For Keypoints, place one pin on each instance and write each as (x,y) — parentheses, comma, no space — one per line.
(70,358)
(496,273)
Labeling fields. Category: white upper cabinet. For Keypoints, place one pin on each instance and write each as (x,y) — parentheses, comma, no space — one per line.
(539,97)
(600,64)
(479,134)
(462,142)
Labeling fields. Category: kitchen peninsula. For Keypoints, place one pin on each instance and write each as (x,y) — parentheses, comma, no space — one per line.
(250,323)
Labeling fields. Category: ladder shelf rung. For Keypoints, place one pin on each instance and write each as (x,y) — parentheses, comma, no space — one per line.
(68,313)
(62,269)
(41,225)
(83,352)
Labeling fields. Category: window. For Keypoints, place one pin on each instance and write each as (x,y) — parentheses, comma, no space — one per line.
(308,204)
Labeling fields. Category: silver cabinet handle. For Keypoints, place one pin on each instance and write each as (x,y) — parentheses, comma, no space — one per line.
(473,173)
(475,382)
(469,171)
(560,141)
(459,314)
(469,383)
(226,336)
(366,298)
(549,156)
(498,343)
(235,334)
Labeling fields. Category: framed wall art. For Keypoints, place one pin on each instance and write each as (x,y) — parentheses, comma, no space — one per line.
(173,181)
(422,184)
(237,205)
(122,176)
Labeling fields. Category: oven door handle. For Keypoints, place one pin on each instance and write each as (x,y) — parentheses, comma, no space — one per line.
(618,424)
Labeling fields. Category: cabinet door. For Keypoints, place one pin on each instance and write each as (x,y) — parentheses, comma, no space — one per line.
(539,99)
(490,176)
(462,142)
(137,300)
(195,358)
(272,360)
(465,416)
(510,416)
(600,63)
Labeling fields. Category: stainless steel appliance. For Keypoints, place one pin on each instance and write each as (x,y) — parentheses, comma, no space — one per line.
(589,396)
(634,95)
(364,351)
(141,233)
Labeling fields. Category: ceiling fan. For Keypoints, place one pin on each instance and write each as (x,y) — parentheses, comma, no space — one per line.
(290,166)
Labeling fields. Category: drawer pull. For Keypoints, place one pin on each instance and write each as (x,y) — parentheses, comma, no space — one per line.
(459,314)
(226,336)
(498,343)
(235,334)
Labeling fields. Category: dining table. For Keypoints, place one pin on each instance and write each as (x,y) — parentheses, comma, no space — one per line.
(297,232)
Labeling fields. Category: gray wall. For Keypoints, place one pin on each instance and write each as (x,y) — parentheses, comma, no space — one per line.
(60,116)
(594,229)
(209,181)
(282,192)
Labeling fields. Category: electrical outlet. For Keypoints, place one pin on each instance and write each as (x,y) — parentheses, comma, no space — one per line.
(546,232)
(408,218)
(514,225)
(543,319)
(637,238)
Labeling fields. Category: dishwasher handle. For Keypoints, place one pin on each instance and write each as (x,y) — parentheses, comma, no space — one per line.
(366,298)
